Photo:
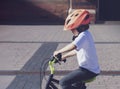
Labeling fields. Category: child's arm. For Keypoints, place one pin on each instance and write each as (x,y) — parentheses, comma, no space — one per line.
(69,54)
(67,48)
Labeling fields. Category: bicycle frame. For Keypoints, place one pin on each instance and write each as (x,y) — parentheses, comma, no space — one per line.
(50,83)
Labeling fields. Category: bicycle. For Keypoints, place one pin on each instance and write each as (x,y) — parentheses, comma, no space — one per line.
(49,82)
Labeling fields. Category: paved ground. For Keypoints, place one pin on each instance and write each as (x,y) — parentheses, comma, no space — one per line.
(24,48)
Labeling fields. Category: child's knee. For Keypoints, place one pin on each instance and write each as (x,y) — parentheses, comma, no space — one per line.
(63,82)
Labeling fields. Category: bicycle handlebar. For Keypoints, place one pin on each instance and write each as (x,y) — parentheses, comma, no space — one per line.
(53,60)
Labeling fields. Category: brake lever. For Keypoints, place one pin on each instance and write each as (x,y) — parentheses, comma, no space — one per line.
(64,60)
(55,59)
(58,61)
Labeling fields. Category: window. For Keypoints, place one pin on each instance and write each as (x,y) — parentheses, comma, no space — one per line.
(108,10)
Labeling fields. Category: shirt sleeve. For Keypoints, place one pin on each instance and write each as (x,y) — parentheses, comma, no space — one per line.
(79,41)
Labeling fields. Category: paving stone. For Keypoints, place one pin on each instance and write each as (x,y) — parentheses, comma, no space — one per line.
(24,48)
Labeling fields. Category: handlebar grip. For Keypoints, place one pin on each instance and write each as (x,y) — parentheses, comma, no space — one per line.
(59,56)
(64,60)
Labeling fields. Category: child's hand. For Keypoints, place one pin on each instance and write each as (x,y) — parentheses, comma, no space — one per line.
(59,56)
(55,53)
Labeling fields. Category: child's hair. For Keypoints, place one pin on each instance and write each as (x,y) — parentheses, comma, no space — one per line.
(83,28)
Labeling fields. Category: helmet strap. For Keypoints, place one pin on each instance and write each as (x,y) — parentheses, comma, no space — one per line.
(80,29)
(74,37)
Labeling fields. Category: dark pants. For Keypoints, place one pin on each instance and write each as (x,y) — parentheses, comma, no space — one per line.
(74,80)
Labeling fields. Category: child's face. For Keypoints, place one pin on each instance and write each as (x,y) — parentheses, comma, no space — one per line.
(75,32)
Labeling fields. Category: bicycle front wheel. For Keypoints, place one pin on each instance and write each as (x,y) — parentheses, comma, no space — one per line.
(49,82)
(46,79)
(44,76)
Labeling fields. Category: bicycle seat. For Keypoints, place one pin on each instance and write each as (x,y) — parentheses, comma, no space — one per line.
(89,80)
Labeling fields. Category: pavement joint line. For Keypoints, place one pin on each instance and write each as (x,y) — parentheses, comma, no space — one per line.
(96,42)
(58,72)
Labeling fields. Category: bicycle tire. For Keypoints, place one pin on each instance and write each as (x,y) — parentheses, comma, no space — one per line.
(45,80)
(45,76)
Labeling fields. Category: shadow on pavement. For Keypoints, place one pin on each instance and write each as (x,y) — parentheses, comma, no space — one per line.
(32,81)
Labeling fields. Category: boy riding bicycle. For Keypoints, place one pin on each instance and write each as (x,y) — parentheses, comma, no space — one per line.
(82,46)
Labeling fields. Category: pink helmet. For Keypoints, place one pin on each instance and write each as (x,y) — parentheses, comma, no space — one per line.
(77,18)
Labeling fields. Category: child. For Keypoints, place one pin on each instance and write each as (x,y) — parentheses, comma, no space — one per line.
(82,46)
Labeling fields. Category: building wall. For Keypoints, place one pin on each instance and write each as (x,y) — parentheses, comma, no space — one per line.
(38,11)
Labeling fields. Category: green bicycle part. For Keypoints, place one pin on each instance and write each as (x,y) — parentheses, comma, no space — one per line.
(51,66)
(89,80)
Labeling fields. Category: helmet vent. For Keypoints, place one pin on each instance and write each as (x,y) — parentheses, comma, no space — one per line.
(71,15)
(87,17)
(77,14)
(68,21)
